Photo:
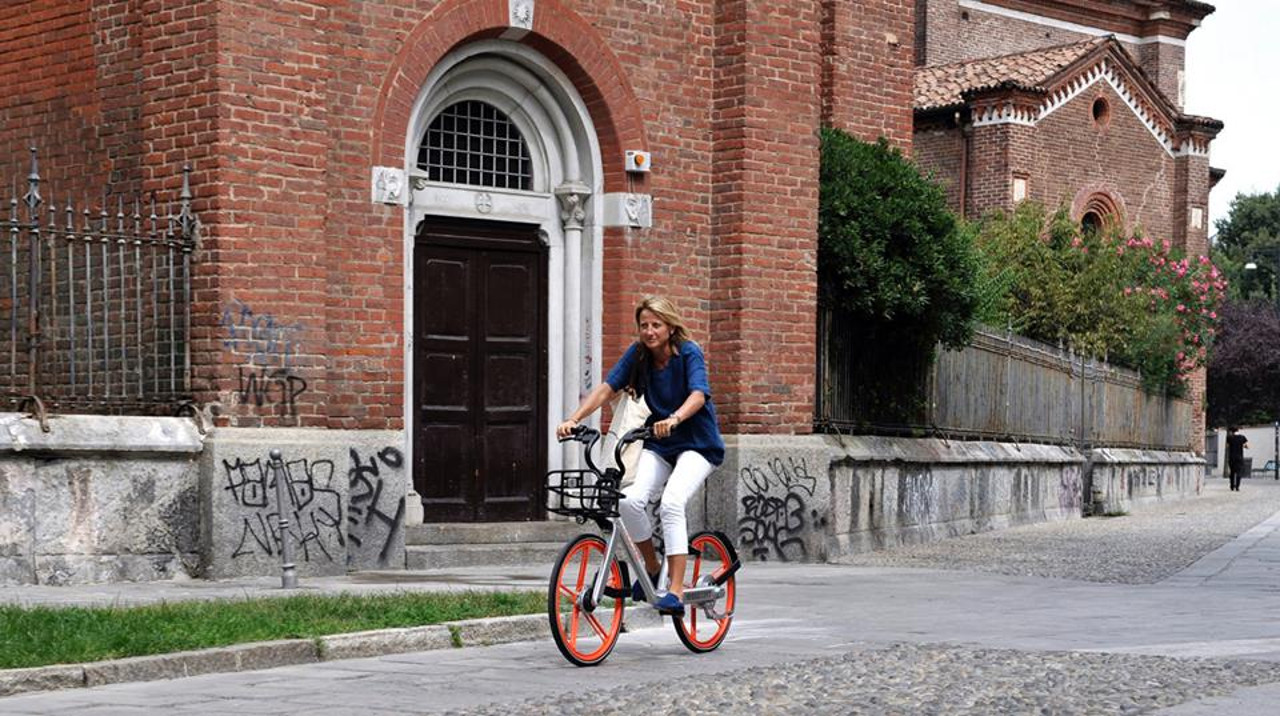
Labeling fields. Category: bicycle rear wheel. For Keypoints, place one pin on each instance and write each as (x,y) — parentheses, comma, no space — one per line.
(705,625)
(584,632)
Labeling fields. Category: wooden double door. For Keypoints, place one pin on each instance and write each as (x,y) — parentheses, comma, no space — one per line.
(480,366)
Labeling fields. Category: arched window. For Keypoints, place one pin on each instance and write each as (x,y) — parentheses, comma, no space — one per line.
(474,143)
(1091,222)
(1100,213)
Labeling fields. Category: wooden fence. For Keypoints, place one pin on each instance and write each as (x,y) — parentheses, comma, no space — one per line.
(1005,387)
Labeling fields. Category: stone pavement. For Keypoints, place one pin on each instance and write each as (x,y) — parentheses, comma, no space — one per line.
(824,638)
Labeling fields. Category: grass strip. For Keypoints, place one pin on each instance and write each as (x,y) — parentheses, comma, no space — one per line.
(40,636)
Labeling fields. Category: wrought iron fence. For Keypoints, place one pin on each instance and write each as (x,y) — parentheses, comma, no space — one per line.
(95,303)
(1006,387)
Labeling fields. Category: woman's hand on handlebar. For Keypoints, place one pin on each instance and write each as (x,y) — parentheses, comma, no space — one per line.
(565,429)
(663,428)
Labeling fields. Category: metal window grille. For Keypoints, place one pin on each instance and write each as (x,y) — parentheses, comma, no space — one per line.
(474,143)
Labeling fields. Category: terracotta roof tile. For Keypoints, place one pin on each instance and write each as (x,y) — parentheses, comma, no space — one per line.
(943,85)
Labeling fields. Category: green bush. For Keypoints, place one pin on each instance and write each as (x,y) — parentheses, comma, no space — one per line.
(897,270)
(1124,298)
(889,251)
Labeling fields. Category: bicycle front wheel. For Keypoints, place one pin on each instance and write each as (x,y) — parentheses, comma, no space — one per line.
(584,632)
(705,624)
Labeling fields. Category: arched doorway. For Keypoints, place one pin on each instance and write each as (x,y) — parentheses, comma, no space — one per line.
(503,243)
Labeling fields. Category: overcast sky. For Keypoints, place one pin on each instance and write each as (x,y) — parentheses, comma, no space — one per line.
(1233,74)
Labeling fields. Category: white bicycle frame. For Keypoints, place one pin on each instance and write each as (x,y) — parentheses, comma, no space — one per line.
(620,543)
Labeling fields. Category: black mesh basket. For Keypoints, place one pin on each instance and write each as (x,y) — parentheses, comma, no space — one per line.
(582,493)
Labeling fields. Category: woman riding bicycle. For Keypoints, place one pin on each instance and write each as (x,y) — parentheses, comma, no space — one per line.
(668,370)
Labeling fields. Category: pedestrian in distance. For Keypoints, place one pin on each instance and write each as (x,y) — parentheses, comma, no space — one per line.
(1236,443)
(667,368)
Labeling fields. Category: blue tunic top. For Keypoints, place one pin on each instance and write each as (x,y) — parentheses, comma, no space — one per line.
(667,390)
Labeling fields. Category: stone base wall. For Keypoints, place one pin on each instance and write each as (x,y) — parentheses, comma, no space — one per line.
(772,497)
(97,499)
(815,498)
(1120,480)
(893,491)
(345,500)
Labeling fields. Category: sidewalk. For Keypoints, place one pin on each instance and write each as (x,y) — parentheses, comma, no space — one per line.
(1209,609)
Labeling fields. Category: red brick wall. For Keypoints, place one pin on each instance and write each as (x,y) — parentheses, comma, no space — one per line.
(69,90)
(1075,157)
(952,33)
(869,50)
(1162,61)
(939,152)
(765,212)
(282,108)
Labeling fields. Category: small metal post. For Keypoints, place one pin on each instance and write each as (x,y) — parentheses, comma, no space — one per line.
(288,571)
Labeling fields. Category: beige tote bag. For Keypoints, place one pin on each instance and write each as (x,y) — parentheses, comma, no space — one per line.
(628,414)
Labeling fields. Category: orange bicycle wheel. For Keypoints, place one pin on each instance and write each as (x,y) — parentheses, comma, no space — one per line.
(704,626)
(584,632)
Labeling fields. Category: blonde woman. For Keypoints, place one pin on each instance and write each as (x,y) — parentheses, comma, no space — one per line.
(667,369)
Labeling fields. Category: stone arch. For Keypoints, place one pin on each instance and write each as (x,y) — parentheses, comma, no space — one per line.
(567,95)
(558,33)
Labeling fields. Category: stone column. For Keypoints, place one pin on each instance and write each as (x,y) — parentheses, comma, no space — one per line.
(573,216)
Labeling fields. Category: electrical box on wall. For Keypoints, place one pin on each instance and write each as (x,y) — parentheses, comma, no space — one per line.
(637,161)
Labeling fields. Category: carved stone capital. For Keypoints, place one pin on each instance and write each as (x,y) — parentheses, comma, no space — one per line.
(573,205)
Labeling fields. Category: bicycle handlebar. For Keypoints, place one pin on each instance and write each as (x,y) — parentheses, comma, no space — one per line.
(589,436)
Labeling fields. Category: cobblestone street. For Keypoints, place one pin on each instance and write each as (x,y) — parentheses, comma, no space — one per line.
(1168,610)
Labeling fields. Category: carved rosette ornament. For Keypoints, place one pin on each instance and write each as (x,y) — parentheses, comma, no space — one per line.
(521,14)
(573,206)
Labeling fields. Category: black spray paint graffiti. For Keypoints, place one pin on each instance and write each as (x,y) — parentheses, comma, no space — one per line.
(773,509)
(366,509)
(270,387)
(314,508)
(267,347)
(262,340)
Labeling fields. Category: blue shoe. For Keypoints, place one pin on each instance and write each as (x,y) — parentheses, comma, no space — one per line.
(670,604)
(637,590)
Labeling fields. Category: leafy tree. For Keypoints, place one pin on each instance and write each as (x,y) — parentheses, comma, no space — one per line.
(894,267)
(1129,299)
(1250,230)
(1244,367)
(889,251)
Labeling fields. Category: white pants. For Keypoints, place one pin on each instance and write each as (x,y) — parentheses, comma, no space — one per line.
(652,472)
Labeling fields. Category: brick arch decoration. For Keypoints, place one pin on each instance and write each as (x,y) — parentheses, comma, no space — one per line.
(558,33)
(1105,202)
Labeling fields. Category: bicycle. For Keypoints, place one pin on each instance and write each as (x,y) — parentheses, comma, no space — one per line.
(586,612)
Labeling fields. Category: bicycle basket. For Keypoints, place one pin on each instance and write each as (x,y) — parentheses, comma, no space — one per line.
(582,493)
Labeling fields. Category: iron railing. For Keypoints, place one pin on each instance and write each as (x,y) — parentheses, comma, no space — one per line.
(95,305)
(1005,387)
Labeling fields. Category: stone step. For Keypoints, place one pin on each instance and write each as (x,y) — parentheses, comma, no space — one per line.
(452,556)
(493,533)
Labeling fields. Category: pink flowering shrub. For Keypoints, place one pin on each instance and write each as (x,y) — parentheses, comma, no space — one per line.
(1131,300)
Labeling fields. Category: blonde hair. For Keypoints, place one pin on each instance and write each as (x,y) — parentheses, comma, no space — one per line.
(664,309)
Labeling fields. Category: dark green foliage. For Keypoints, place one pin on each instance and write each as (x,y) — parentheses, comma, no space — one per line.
(889,251)
(897,274)
(1251,232)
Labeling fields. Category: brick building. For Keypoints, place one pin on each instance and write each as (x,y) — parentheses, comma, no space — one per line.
(422,228)
(418,221)
(1068,103)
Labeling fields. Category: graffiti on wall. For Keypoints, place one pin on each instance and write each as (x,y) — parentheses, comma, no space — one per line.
(374,518)
(1071,492)
(276,386)
(261,339)
(268,348)
(314,508)
(774,507)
